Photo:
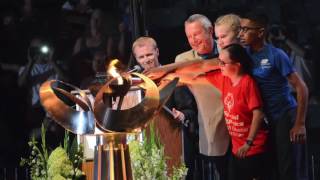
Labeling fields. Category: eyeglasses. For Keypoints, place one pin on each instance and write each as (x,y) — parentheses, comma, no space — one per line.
(245,29)
(221,63)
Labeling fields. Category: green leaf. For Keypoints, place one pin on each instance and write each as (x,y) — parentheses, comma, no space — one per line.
(66,141)
(38,160)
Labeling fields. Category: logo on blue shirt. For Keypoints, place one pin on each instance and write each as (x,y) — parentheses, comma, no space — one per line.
(265,64)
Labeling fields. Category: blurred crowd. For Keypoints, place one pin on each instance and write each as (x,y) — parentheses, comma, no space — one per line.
(66,40)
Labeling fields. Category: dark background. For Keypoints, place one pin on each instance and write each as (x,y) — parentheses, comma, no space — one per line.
(160,19)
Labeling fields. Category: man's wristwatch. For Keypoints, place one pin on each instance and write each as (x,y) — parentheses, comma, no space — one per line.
(249,142)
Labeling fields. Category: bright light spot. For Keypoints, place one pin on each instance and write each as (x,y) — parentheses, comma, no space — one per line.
(44,49)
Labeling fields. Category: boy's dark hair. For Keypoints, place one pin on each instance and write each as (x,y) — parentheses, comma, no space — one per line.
(259,19)
(237,53)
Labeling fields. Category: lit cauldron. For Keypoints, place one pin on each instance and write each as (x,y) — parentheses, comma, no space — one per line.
(107,119)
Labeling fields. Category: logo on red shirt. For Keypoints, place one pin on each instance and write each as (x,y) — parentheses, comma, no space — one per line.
(229,101)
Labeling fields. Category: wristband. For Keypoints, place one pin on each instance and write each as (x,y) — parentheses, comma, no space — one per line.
(249,142)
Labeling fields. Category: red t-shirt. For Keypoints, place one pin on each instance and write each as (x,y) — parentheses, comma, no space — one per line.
(239,102)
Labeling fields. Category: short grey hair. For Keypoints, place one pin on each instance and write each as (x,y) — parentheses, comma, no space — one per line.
(204,20)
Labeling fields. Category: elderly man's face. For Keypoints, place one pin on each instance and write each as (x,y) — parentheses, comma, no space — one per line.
(147,56)
(200,39)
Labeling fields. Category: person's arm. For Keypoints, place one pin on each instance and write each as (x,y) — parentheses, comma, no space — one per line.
(298,131)
(23,77)
(187,75)
(292,45)
(257,120)
(196,66)
(56,67)
(295,47)
(185,107)
(201,67)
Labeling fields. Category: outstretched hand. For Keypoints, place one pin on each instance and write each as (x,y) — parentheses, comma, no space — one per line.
(155,73)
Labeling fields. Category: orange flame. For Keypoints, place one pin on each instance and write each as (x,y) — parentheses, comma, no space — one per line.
(113,71)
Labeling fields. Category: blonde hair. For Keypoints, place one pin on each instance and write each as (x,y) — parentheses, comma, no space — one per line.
(143,41)
(231,20)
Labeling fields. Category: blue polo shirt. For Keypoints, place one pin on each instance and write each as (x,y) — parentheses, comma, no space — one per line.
(271,68)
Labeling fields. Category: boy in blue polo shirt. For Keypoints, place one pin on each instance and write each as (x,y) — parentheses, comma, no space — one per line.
(273,71)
